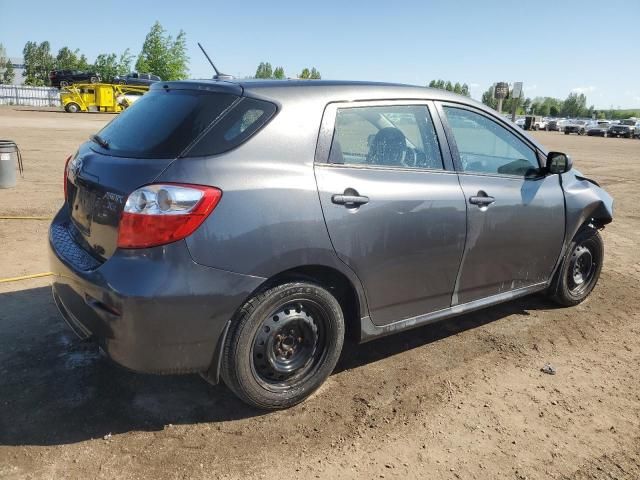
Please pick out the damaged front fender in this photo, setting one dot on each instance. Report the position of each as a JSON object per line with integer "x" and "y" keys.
{"x": 585, "y": 203}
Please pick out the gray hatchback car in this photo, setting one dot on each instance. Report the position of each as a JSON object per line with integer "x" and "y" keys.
{"x": 239, "y": 229}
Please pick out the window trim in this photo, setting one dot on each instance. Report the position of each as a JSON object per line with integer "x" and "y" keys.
{"x": 453, "y": 146}
{"x": 327, "y": 128}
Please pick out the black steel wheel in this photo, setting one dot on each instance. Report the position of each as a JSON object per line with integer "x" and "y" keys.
{"x": 580, "y": 269}
{"x": 283, "y": 344}
{"x": 289, "y": 344}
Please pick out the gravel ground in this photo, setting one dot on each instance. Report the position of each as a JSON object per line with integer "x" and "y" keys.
{"x": 463, "y": 399}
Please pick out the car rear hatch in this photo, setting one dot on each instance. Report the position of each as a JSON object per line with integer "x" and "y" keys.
{"x": 131, "y": 151}
{"x": 175, "y": 119}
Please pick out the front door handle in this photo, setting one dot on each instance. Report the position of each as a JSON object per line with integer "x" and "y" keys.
{"x": 349, "y": 200}
{"x": 482, "y": 199}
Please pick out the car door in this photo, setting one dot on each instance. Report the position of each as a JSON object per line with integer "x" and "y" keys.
{"x": 515, "y": 212}
{"x": 392, "y": 203}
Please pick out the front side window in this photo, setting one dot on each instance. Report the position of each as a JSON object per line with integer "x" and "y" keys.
{"x": 485, "y": 146}
{"x": 390, "y": 136}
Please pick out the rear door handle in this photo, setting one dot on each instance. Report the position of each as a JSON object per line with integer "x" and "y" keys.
{"x": 481, "y": 200}
{"x": 349, "y": 200}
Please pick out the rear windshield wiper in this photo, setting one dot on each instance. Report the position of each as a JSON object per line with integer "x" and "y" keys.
{"x": 99, "y": 140}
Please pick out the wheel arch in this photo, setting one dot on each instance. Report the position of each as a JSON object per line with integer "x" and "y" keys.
{"x": 350, "y": 297}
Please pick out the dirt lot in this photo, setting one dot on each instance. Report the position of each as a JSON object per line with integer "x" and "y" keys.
{"x": 461, "y": 399}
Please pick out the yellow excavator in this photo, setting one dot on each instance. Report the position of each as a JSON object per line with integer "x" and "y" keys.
{"x": 99, "y": 97}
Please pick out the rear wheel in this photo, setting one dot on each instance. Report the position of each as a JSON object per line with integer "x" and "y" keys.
{"x": 283, "y": 345}
{"x": 580, "y": 268}
{"x": 64, "y": 83}
{"x": 72, "y": 107}
{"x": 93, "y": 79}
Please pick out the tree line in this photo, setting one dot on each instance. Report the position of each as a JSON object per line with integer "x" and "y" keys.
{"x": 161, "y": 55}
{"x": 574, "y": 106}
{"x": 462, "y": 89}
{"x": 265, "y": 70}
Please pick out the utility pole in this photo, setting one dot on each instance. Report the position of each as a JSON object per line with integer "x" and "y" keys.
{"x": 516, "y": 94}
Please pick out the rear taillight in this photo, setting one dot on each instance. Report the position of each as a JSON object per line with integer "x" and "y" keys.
{"x": 66, "y": 172}
{"x": 164, "y": 213}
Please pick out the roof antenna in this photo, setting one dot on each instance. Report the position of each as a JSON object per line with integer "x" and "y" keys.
{"x": 218, "y": 75}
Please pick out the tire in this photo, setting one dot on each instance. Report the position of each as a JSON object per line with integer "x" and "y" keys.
{"x": 580, "y": 269}
{"x": 64, "y": 83}
{"x": 93, "y": 80}
{"x": 122, "y": 82}
{"x": 566, "y": 133}
{"x": 72, "y": 107}
{"x": 282, "y": 345}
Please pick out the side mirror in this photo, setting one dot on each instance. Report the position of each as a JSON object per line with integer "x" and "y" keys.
{"x": 558, "y": 162}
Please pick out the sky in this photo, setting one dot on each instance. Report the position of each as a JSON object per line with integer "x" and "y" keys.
{"x": 554, "y": 47}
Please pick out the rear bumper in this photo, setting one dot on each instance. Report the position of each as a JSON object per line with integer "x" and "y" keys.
{"x": 152, "y": 310}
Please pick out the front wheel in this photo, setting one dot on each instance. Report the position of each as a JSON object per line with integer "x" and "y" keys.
{"x": 282, "y": 345}
{"x": 72, "y": 107}
{"x": 580, "y": 268}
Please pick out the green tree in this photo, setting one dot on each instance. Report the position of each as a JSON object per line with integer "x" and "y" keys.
{"x": 264, "y": 70}
{"x": 487, "y": 98}
{"x": 575, "y": 105}
{"x": 8, "y": 75}
{"x": 67, "y": 59}
{"x": 278, "y": 73}
{"x": 457, "y": 88}
{"x": 38, "y": 62}
{"x": 448, "y": 86}
{"x": 432, "y": 84}
{"x": 162, "y": 55}
{"x": 305, "y": 74}
{"x": 108, "y": 65}
{"x": 315, "y": 74}
{"x": 465, "y": 90}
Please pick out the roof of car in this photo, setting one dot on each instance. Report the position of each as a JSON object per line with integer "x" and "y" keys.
{"x": 336, "y": 89}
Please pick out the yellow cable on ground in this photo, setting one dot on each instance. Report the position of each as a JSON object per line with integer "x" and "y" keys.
{"x": 25, "y": 218}
{"x": 25, "y": 277}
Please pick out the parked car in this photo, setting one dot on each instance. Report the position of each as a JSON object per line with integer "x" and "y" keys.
{"x": 637, "y": 130}
{"x": 575, "y": 126}
{"x": 626, "y": 128}
{"x": 240, "y": 229}
{"x": 554, "y": 125}
{"x": 598, "y": 128}
{"x": 134, "y": 78}
{"x": 541, "y": 125}
{"x": 520, "y": 122}
{"x": 64, "y": 78}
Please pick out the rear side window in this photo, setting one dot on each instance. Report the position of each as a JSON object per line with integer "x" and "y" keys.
{"x": 235, "y": 128}
{"x": 163, "y": 123}
{"x": 390, "y": 136}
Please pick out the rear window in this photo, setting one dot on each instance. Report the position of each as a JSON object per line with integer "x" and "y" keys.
{"x": 164, "y": 123}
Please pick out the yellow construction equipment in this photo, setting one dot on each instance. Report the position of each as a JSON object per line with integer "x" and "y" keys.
{"x": 99, "y": 97}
